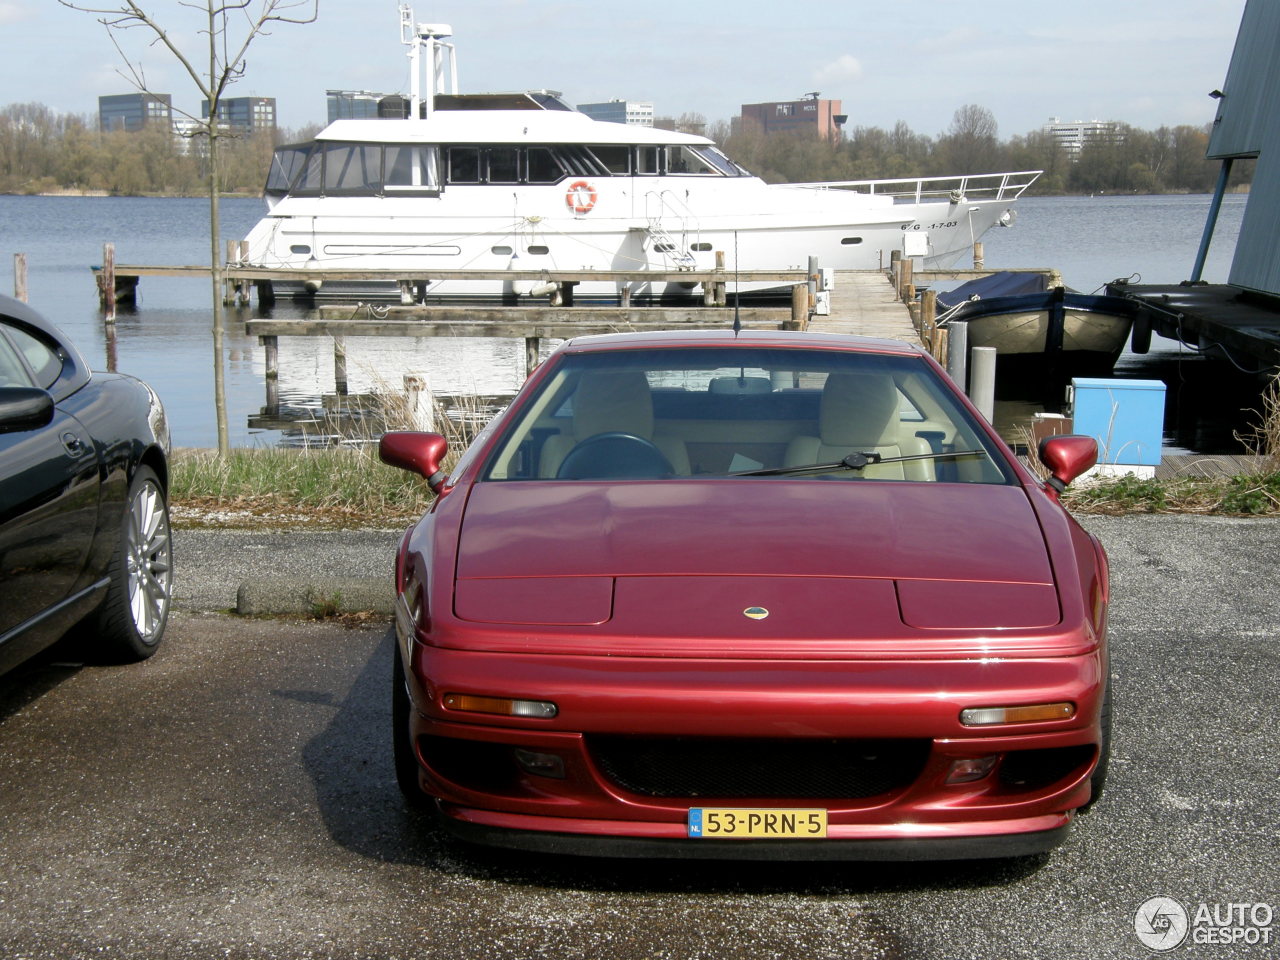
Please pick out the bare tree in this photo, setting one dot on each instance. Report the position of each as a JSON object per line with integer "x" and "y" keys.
{"x": 228, "y": 27}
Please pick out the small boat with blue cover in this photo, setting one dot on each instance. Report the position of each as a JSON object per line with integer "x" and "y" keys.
{"x": 1039, "y": 329}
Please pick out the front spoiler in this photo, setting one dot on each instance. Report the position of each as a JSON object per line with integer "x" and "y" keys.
{"x": 458, "y": 822}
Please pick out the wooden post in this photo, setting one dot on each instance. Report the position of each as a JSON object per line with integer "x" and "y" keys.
{"x": 108, "y": 278}
{"x": 928, "y": 318}
{"x": 266, "y": 292}
{"x": 940, "y": 353}
{"x": 626, "y": 294}
{"x": 958, "y": 354}
{"x": 112, "y": 350}
{"x": 406, "y": 292}
{"x": 230, "y": 288}
{"x": 799, "y": 307}
{"x": 340, "y": 365}
{"x": 20, "y": 276}
{"x": 722, "y": 287}
{"x": 908, "y": 268}
{"x": 979, "y": 259}
{"x": 272, "y": 346}
{"x": 530, "y": 356}
{"x": 420, "y": 403}
{"x": 812, "y": 284}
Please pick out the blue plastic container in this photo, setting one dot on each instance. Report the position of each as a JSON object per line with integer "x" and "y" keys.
{"x": 1126, "y": 417}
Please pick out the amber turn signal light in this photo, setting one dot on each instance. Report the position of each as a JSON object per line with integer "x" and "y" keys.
{"x": 503, "y": 707}
{"x": 984, "y": 716}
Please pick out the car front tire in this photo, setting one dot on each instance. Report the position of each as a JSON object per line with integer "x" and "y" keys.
{"x": 132, "y": 619}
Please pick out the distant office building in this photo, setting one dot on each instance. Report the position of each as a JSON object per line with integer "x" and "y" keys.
{"x": 1073, "y": 136}
{"x": 244, "y": 114}
{"x": 811, "y": 115}
{"x": 352, "y": 104}
{"x": 185, "y": 129}
{"x": 133, "y": 111}
{"x": 638, "y": 113}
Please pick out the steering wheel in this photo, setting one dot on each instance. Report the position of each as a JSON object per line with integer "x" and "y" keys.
{"x": 614, "y": 456}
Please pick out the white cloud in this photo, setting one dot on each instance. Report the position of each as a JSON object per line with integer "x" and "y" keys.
{"x": 11, "y": 11}
{"x": 840, "y": 70}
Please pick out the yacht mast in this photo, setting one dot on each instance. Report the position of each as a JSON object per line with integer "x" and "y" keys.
{"x": 428, "y": 36}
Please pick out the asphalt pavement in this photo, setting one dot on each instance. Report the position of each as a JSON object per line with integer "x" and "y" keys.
{"x": 233, "y": 796}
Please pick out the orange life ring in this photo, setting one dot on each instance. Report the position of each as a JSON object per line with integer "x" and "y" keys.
{"x": 581, "y": 196}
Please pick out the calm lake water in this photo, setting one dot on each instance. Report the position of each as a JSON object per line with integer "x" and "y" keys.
{"x": 167, "y": 340}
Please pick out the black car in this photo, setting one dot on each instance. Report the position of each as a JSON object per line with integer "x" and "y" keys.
{"x": 84, "y": 517}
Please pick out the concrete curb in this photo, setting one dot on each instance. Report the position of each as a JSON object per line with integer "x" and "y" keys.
{"x": 316, "y": 596}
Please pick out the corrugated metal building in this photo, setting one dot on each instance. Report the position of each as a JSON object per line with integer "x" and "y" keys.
{"x": 1248, "y": 125}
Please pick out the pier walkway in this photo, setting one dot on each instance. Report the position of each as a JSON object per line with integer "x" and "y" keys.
{"x": 864, "y": 303}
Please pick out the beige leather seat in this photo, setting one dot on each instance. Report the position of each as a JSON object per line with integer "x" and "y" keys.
{"x": 858, "y": 413}
{"x": 607, "y": 403}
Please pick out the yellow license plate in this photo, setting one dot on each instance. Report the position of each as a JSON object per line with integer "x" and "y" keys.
{"x": 757, "y": 823}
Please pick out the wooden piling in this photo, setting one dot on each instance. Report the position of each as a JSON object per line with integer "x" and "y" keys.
{"x": 272, "y": 347}
{"x": 108, "y": 280}
{"x": 928, "y": 320}
{"x": 530, "y": 355}
{"x": 20, "y": 276}
{"x": 340, "y": 365}
{"x": 722, "y": 288}
{"x": 979, "y": 258}
{"x": 420, "y": 402}
{"x": 799, "y": 308}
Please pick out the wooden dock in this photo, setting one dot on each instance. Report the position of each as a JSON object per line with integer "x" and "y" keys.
{"x": 865, "y": 303}
{"x": 1218, "y": 319}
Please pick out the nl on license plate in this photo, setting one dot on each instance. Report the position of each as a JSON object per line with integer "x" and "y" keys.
{"x": 756, "y": 823}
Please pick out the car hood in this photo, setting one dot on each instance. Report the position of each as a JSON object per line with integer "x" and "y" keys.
{"x": 650, "y": 558}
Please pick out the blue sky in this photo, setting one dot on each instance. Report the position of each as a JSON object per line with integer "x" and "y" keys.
{"x": 1144, "y": 62}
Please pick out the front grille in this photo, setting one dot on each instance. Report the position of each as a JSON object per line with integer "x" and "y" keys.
{"x": 743, "y": 768}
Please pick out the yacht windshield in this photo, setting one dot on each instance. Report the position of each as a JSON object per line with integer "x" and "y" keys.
{"x": 748, "y": 411}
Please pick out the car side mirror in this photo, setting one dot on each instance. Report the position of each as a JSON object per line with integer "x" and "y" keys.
{"x": 24, "y": 408}
{"x": 1067, "y": 456}
{"x": 420, "y": 453}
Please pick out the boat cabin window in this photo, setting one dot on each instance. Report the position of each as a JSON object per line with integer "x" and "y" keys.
{"x": 504, "y": 164}
{"x": 614, "y": 157}
{"x": 721, "y": 162}
{"x": 542, "y": 165}
{"x": 464, "y": 164}
{"x": 685, "y": 160}
{"x": 352, "y": 169}
{"x": 409, "y": 168}
{"x": 511, "y": 164}
{"x": 647, "y": 161}
{"x": 286, "y": 164}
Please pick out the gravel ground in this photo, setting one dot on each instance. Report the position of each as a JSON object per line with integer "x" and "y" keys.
{"x": 233, "y": 797}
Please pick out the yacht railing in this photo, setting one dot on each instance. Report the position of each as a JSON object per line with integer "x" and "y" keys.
{"x": 981, "y": 186}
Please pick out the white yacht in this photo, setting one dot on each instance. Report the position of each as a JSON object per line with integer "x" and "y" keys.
{"x": 499, "y": 182}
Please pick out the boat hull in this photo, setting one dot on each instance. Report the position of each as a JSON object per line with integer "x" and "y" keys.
{"x": 752, "y": 225}
{"x": 1056, "y": 334}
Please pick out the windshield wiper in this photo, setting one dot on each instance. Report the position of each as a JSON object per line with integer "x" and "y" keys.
{"x": 854, "y": 461}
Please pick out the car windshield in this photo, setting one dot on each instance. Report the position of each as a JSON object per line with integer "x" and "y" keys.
{"x": 744, "y": 411}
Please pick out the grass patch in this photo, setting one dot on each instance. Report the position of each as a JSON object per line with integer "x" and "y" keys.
{"x": 1243, "y": 495}
{"x": 330, "y": 486}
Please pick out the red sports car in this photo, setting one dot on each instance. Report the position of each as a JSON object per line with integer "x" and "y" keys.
{"x": 754, "y": 596}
